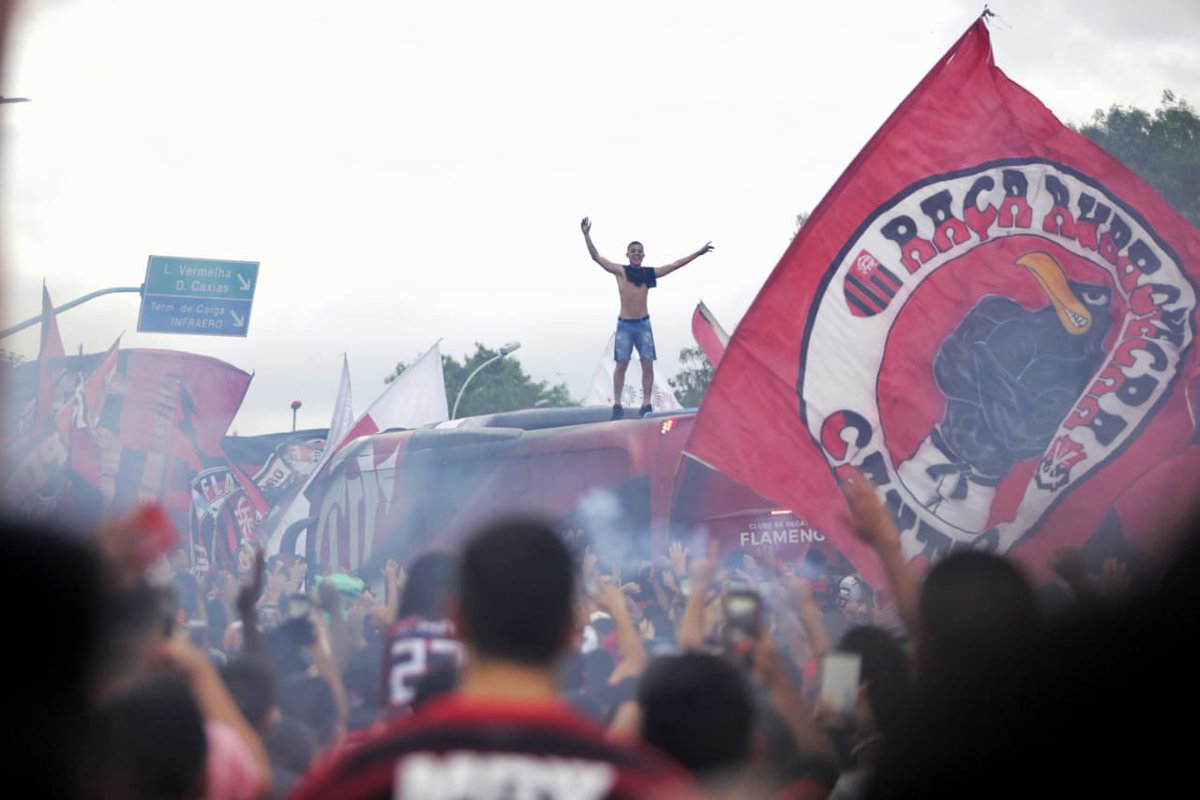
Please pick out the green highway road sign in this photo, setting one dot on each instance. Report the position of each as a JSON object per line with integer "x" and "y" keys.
{"x": 197, "y": 295}
{"x": 201, "y": 277}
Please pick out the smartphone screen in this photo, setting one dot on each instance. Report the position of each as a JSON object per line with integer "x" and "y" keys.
{"x": 741, "y": 605}
{"x": 839, "y": 682}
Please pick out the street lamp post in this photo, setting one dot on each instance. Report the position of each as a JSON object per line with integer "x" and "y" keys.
{"x": 508, "y": 348}
{"x": 295, "y": 407}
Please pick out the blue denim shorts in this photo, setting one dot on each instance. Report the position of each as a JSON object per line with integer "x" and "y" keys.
{"x": 633, "y": 333}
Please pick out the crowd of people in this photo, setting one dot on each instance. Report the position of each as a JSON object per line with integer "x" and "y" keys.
{"x": 525, "y": 666}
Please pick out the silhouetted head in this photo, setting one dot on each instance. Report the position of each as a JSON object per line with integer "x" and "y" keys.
{"x": 515, "y": 593}
{"x": 432, "y": 581}
{"x": 149, "y": 742}
{"x": 886, "y": 673}
{"x": 975, "y": 608}
{"x": 697, "y": 708}
{"x": 252, "y": 687}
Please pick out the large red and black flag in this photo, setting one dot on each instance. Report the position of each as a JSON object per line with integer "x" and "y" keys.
{"x": 990, "y": 317}
{"x": 160, "y": 429}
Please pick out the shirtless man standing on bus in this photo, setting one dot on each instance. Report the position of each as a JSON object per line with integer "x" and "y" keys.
{"x": 634, "y": 282}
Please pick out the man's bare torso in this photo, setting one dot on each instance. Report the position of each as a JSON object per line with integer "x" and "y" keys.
{"x": 633, "y": 298}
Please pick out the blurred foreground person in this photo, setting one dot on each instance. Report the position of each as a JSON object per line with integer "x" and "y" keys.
{"x": 149, "y": 742}
{"x": 697, "y": 708}
{"x": 1100, "y": 705}
{"x": 881, "y": 708}
{"x": 503, "y": 732}
{"x": 60, "y": 584}
{"x": 976, "y": 612}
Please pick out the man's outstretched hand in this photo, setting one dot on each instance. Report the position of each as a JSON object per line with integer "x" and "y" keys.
{"x": 708, "y": 247}
{"x": 586, "y": 226}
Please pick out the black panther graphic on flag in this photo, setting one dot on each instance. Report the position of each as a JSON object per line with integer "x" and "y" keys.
{"x": 987, "y": 315}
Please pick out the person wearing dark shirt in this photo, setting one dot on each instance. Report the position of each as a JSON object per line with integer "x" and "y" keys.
{"x": 422, "y": 640}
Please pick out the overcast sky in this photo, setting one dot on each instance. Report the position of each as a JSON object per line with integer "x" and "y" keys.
{"x": 412, "y": 171}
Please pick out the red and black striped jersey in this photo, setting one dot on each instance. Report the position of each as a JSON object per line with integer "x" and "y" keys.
{"x": 415, "y": 648}
{"x": 457, "y": 747}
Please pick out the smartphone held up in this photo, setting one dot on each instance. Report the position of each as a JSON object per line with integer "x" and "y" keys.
{"x": 840, "y": 675}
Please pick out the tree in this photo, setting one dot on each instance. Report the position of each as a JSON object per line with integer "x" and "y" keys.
{"x": 1163, "y": 148}
{"x": 801, "y": 218}
{"x": 692, "y": 380}
{"x": 10, "y": 360}
{"x": 502, "y": 386}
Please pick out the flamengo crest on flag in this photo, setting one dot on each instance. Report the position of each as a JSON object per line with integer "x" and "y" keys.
{"x": 987, "y": 317}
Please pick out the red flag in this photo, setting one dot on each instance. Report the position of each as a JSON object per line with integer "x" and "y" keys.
{"x": 164, "y": 413}
{"x": 78, "y": 419}
{"x": 51, "y": 347}
{"x": 708, "y": 333}
{"x": 987, "y": 314}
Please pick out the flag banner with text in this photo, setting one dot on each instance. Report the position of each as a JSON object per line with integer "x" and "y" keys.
{"x": 987, "y": 315}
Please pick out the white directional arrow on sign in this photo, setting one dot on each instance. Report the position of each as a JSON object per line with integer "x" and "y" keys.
{"x": 238, "y": 322}
{"x": 245, "y": 283}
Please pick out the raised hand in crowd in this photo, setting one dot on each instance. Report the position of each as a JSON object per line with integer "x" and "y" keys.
{"x": 394, "y": 578}
{"x": 787, "y": 699}
{"x": 329, "y": 599}
{"x": 692, "y": 627}
{"x": 1115, "y": 579}
{"x": 296, "y": 576}
{"x": 587, "y": 570}
{"x": 247, "y": 606}
{"x": 224, "y": 591}
{"x": 216, "y": 704}
{"x": 367, "y": 606}
{"x": 612, "y": 599}
{"x": 677, "y": 555}
{"x": 324, "y": 660}
{"x": 654, "y": 578}
{"x": 799, "y": 590}
{"x": 278, "y": 583}
{"x": 873, "y": 524}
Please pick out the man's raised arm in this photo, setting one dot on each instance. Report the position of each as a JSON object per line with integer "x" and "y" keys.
{"x": 586, "y": 227}
{"x": 667, "y": 269}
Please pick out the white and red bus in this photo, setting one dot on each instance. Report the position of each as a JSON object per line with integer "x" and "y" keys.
{"x": 395, "y": 494}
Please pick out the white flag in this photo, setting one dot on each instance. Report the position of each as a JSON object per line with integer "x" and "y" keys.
{"x": 417, "y": 397}
{"x": 343, "y": 411}
{"x": 339, "y": 424}
{"x": 601, "y": 391}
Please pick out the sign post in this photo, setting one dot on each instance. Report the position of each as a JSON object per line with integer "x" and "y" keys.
{"x": 197, "y": 295}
